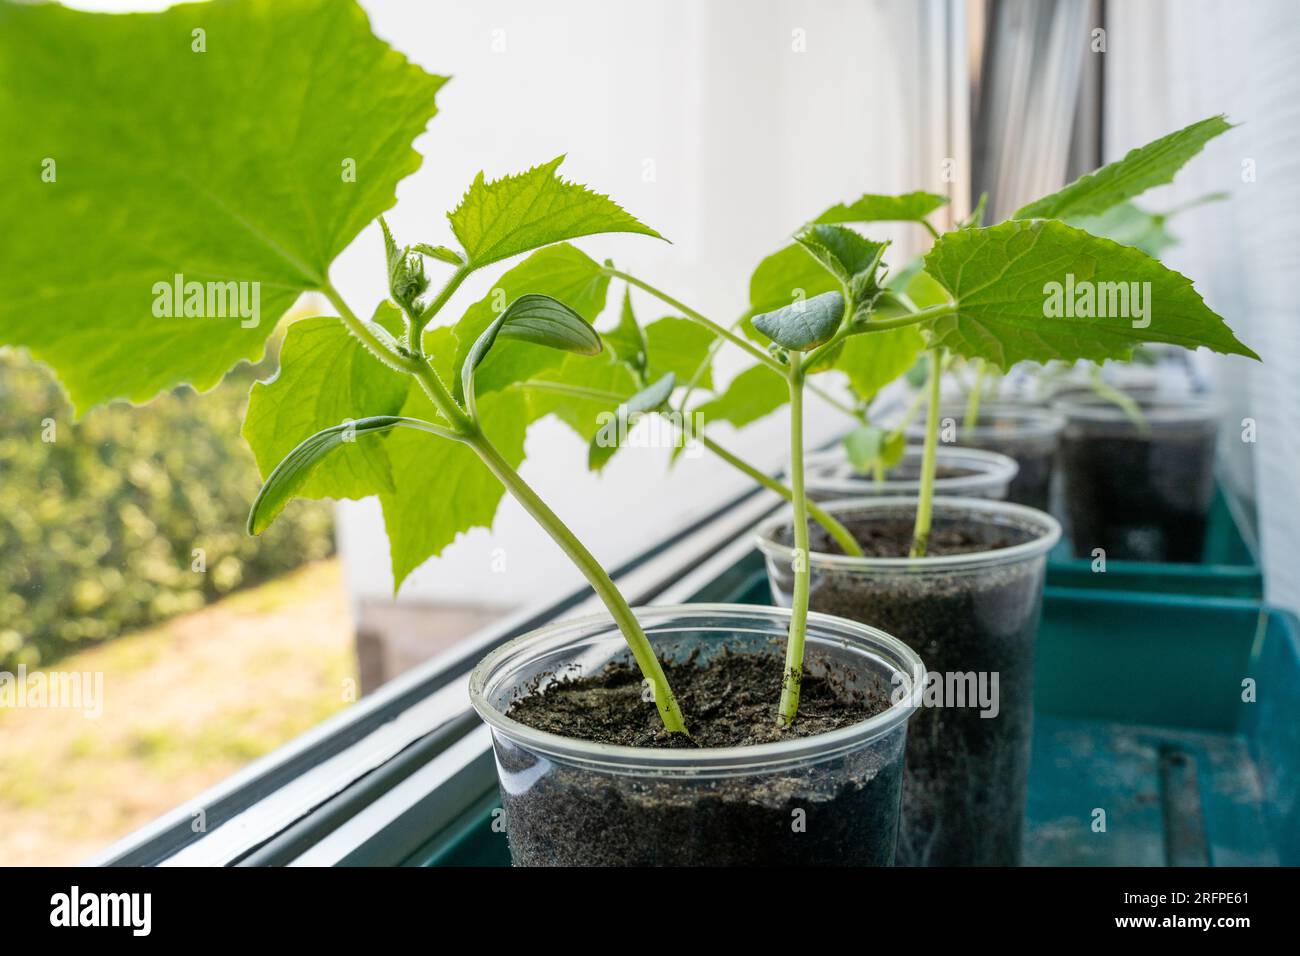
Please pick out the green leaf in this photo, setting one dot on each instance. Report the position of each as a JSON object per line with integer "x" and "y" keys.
{"x": 609, "y": 437}
{"x": 442, "y": 488}
{"x": 1008, "y": 281}
{"x": 225, "y": 166}
{"x": 869, "y": 446}
{"x": 873, "y": 361}
{"x": 1128, "y": 225}
{"x": 561, "y": 272}
{"x": 678, "y": 346}
{"x": 388, "y": 319}
{"x": 296, "y": 471}
{"x": 753, "y": 394}
{"x": 802, "y": 326}
{"x": 537, "y": 320}
{"x": 627, "y": 340}
{"x": 326, "y": 376}
{"x": 499, "y": 219}
{"x": 924, "y": 291}
{"x": 845, "y": 253}
{"x": 908, "y": 207}
{"x": 1150, "y": 165}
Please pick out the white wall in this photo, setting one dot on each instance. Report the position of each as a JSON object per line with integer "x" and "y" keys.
{"x": 1169, "y": 63}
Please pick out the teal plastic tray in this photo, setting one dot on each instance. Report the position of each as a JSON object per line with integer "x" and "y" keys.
{"x": 1142, "y": 725}
{"x": 1227, "y": 569}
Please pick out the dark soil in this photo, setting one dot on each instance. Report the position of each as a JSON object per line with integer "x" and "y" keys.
{"x": 1139, "y": 497}
{"x": 729, "y": 701}
{"x": 1036, "y": 457}
{"x": 964, "y": 789}
{"x": 841, "y": 811}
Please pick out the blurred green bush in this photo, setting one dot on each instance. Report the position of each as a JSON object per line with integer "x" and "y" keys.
{"x": 130, "y": 515}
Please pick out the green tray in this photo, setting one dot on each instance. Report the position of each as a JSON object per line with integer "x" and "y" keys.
{"x": 1228, "y": 567}
{"x": 1138, "y": 713}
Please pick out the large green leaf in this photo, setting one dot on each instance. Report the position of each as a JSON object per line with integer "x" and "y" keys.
{"x": 908, "y": 207}
{"x": 326, "y": 376}
{"x": 499, "y": 219}
{"x": 1150, "y": 165}
{"x": 753, "y": 394}
{"x": 1005, "y": 279}
{"x": 678, "y": 346}
{"x": 441, "y": 488}
{"x": 128, "y": 158}
{"x": 561, "y": 272}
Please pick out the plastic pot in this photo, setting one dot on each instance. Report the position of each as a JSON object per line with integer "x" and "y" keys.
{"x": 968, "y": 472}
{"x": 973, "y": 617}
{"x": 1024, "y": 433}
{"x": 832, "y": 798}
{"x": 1139, "y": 490}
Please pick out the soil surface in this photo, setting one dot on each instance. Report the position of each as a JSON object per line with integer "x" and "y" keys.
{"x": 728, "y": 701}
{"x": 838, "y": 811}
{"x": 1139, "y": 497}
{"x": 964, "y": 788}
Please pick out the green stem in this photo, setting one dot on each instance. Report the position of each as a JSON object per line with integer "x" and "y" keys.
{"x": 973, "y": 399}
{"x": 924, "y": 504}
{"x": 1132, "y": 411}
{"x": 395, "y": 361}
{"x": 848, "y": 544}
{"x": 595, "y": 575}
{"x": 466, "y": 430}
{"x": 698, "y": 318}
{"x": 793, "y": 675}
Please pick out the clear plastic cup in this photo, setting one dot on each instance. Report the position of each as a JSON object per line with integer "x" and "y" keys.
{"x": 968, "y": 472}
{"x": 1139, "y": 488}
{"x": 831, "y": 798}
{"x": 1025, "y": 433}
{"x": 973, "y": 617}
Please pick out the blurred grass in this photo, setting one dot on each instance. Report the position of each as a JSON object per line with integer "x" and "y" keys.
{"x": 186, "y": 703}
{"x": 100, "y": 519}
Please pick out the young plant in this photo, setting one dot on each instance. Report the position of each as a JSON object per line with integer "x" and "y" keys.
{"x": 239, "y": 203}
{"x": 984, "y": 295}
